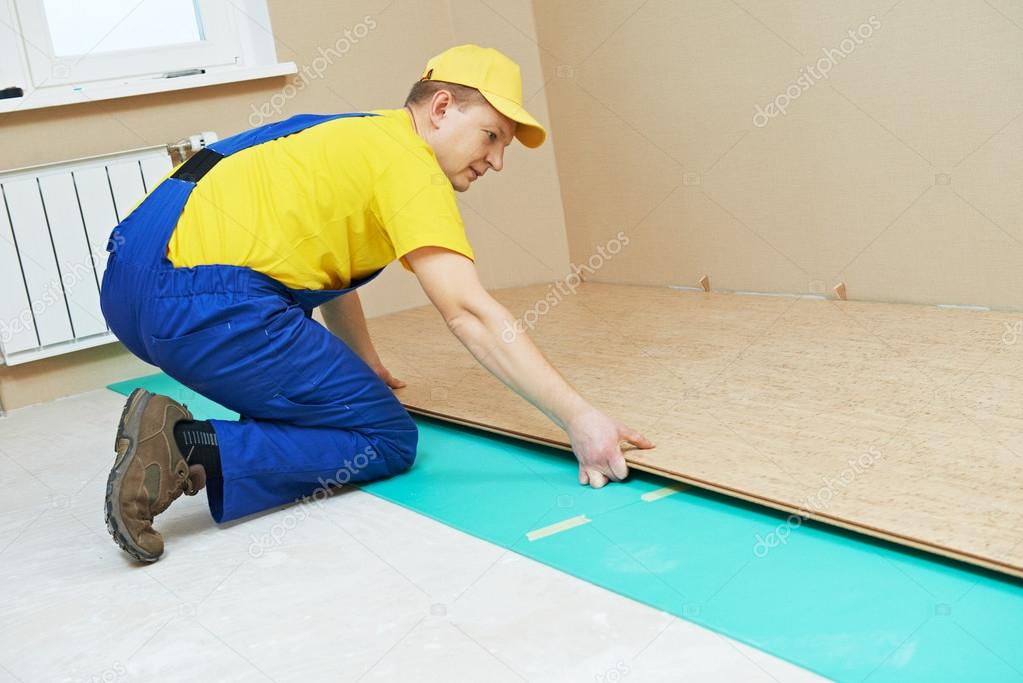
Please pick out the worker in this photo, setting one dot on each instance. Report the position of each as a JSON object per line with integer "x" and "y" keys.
{"x": 214, "y": 277}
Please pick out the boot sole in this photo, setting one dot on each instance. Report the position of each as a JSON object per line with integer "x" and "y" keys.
{"x": 127, "y": 434}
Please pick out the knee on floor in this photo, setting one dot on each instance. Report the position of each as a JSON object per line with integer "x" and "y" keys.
{"x": 398, "y": 447}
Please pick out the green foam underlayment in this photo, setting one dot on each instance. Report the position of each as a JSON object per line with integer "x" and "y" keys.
{"x": 842, "y": 605}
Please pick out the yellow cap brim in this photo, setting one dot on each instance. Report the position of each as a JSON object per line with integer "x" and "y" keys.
{"x": 529, "y": 131}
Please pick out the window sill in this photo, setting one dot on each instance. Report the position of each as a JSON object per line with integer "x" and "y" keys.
{"x": 59, "y": 96}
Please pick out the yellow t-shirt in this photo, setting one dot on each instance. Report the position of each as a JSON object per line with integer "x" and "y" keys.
{"x": 323, "y": 207}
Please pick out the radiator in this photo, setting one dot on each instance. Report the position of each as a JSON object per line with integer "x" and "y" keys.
{"x": 54, "y": 223}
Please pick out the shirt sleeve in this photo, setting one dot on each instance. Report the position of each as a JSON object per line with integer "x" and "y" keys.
{"x": 415, "y": 204}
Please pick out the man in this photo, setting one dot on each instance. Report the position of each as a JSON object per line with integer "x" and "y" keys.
{"x": 214, "y": 277}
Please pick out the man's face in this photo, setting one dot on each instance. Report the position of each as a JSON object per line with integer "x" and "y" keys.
{"x": 468, "y": 140}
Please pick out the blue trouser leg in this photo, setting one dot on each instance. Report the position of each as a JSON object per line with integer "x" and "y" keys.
{"x": 315, "y": 413}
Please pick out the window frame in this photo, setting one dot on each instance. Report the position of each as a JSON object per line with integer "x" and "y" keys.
{"x": 220, "y": 47}
{"x": 239, "y": 46}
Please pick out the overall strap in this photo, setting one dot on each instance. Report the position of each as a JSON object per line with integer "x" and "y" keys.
{"x": 272, "y": 131}
{"x": 206, "y": 158}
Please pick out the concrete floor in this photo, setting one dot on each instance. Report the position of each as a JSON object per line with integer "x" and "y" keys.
{"x": 348, "y": 589}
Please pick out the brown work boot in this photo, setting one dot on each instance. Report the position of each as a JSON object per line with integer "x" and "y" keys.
{"x": 149, "y": 473}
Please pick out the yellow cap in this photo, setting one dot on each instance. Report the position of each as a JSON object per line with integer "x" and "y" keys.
{"x": 496, "y": 77}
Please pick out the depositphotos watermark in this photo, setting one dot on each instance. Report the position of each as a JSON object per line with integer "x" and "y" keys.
{"x": 1013, "y": 332}
{"x": 109, "y": 675}
{"x": 811, "y": 74}
{"x": 312, "y": 71}
{"x": 276, "y": 534}
{"x": 816, "y": 503}
{"x": 562, "y": 288}
{"x": 54, "y": 292}
{"x": 613, "y": 674}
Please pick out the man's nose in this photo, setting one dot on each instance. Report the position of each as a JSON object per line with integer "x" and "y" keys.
{"x": 496, "y": 159}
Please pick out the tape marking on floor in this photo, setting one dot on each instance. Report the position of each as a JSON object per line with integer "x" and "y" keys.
{"x": 558, "y": 527}
{"x": 657, "y": 494}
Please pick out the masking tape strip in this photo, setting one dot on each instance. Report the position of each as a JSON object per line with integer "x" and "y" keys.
{"x": 657, "y": 494}
{"x": 558, "y": 527}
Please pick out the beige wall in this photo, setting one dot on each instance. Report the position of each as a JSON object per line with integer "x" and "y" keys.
{"x": 899, "y": 174}
{"x": 514, "y": 220}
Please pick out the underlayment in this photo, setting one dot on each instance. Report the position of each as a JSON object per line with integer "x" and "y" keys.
{"x": 901, "y": 422}
{"x": 840, "y": 604}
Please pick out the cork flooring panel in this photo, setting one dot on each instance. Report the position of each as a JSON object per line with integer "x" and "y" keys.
{"x": 902, "y": 422}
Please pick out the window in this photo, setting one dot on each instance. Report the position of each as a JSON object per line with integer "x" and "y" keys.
{"x": 121, "y": 25}
{"x": 69, "y": 51}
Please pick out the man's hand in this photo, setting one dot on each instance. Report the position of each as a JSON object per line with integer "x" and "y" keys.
{"x": 389, "y": 379}
{"x": 596, "y": 441}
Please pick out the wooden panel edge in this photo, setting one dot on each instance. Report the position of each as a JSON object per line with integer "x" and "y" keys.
{"x": 849, "y": 525}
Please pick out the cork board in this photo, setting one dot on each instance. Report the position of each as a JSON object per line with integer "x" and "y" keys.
{"x": 898, "y": 421}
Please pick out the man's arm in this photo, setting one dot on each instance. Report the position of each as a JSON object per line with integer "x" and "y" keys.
{"x": 345, "y": 319}
{"x": 482, "y": 325}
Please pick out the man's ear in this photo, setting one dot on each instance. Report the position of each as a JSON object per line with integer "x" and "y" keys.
{"x": 439, "y": 105}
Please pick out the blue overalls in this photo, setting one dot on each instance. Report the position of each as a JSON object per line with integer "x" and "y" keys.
{"x": 314, "y": 414}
